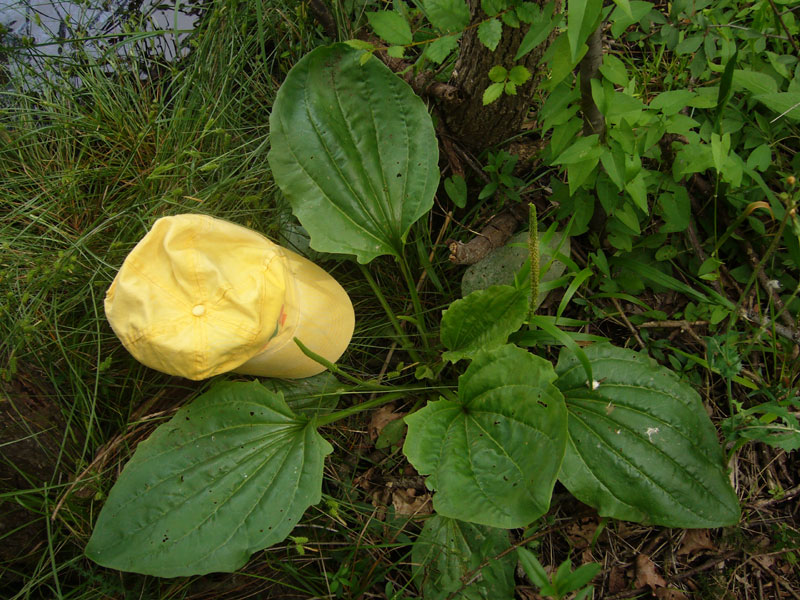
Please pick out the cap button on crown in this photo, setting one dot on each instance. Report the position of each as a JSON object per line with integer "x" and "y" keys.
{"x": 199, "y": 310}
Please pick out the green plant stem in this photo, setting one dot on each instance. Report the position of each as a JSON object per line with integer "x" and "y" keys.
{"x": 352, "y": 410}
{"x": 412, "y": 289}
{"x": 367, "y": 385}
{"x": 533, "y": 251}
{"x": 403, "y": 338}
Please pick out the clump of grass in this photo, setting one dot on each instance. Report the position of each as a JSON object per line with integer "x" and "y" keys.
{"x": 90, "y": 155}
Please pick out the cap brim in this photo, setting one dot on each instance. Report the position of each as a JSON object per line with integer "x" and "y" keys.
{"x": 323, "y": 320}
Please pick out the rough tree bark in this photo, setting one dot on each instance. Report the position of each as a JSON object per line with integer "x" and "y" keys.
{"x": 478, "y": 126}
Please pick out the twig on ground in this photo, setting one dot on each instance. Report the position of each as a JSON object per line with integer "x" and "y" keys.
{"x": 496, "y": 233}
{"x": 764, "y": 323}
{"x": 769, "y": 287}
{"x": 632, "y": 329}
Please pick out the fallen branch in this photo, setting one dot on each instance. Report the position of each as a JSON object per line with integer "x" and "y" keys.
{"x": 496, "y": 233}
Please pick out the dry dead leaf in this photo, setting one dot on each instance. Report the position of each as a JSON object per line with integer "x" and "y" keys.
{"x": 670, "y": 594}
{"x": 647, "y": 573}
{"x": 406, "y": 502}
{"x": 616, "y": 580}
{"x": 380, "y": 418}
{"x": 581, "y": 533}
{"x": 695, "y": 541}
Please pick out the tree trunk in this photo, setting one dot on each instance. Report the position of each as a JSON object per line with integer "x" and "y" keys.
{"x": 475, "y": 125}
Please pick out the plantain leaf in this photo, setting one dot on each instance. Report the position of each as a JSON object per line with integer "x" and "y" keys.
{"x": 354, "y": 151}
{"x": 447, "y": 550}
{"x": 228, "y": 475}
{"x": 641, "y": 447}
{"x": 481, "y": 321}
{"x": 494, "y": 453}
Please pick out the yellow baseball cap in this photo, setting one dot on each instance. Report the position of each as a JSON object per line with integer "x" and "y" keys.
{"x": 199, "y": 296}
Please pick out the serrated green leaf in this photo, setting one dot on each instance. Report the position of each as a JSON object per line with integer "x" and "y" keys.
{"x": 493, "y": 7}
{"x": 447, "y": 15}
{"x": 498, "y": 74}
{"x": 360, "y": 45}
{"x": 519, "y": 75}
{"x": 228, "y": 475}
{"x": 396, "y": 51}
{"x": 540, "y": 28}
{"x": 641, "y": 446}
{"x": 493, "y": 454}
{"x": 356, "y": 184}
{"x": 440, "y": 49}
{"x": 492, "y": 93}
{"x": 390, "y": 26}
{"x": 482, "y": 321}
{"x": 489, "y": 33}
{"x": 510, "y": 88}
{"x": 528, "y": 12}
{"x": 447, "y": 549}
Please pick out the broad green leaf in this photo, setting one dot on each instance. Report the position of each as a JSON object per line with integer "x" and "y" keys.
{"x": 641, "y": 446}
{"x": 540, "y": 28}
{"x": 613, "y": 160}
{"x": 676, "y": 210}
{"x": 637, "y": 188}
{"x": 482, "y": 321}
{"x": 447, "y": 15}
{"x": 622, "y": 17}
{"x": 228, "y": 475}
{"x": 672, "y": 101}
{"x": 625, "y": 6}
{"x": 534, "y": 569}
{"x": 579, "y": 173}
{"x": 456, "y": 188}
{"x": 614, "y": 70}
{"x": 786, "y": 104}
{"x": 447, "y": 550}
{"x": 354, "y": 151}
{"x": 582, "y": 19}
{"x": 317, "y": 395}
{"x": 754, "y": 82}
{"x": 689, "y": 45}
{"x": 390, "y": 26}
{"x": 760, "y": 158}
{"x": 489, "y": 33}
{"x": 492, "y": 455}
{"x": 440, "y": 49}
{"x": 561, "y": 62}
{"x": 584, "y": 148}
